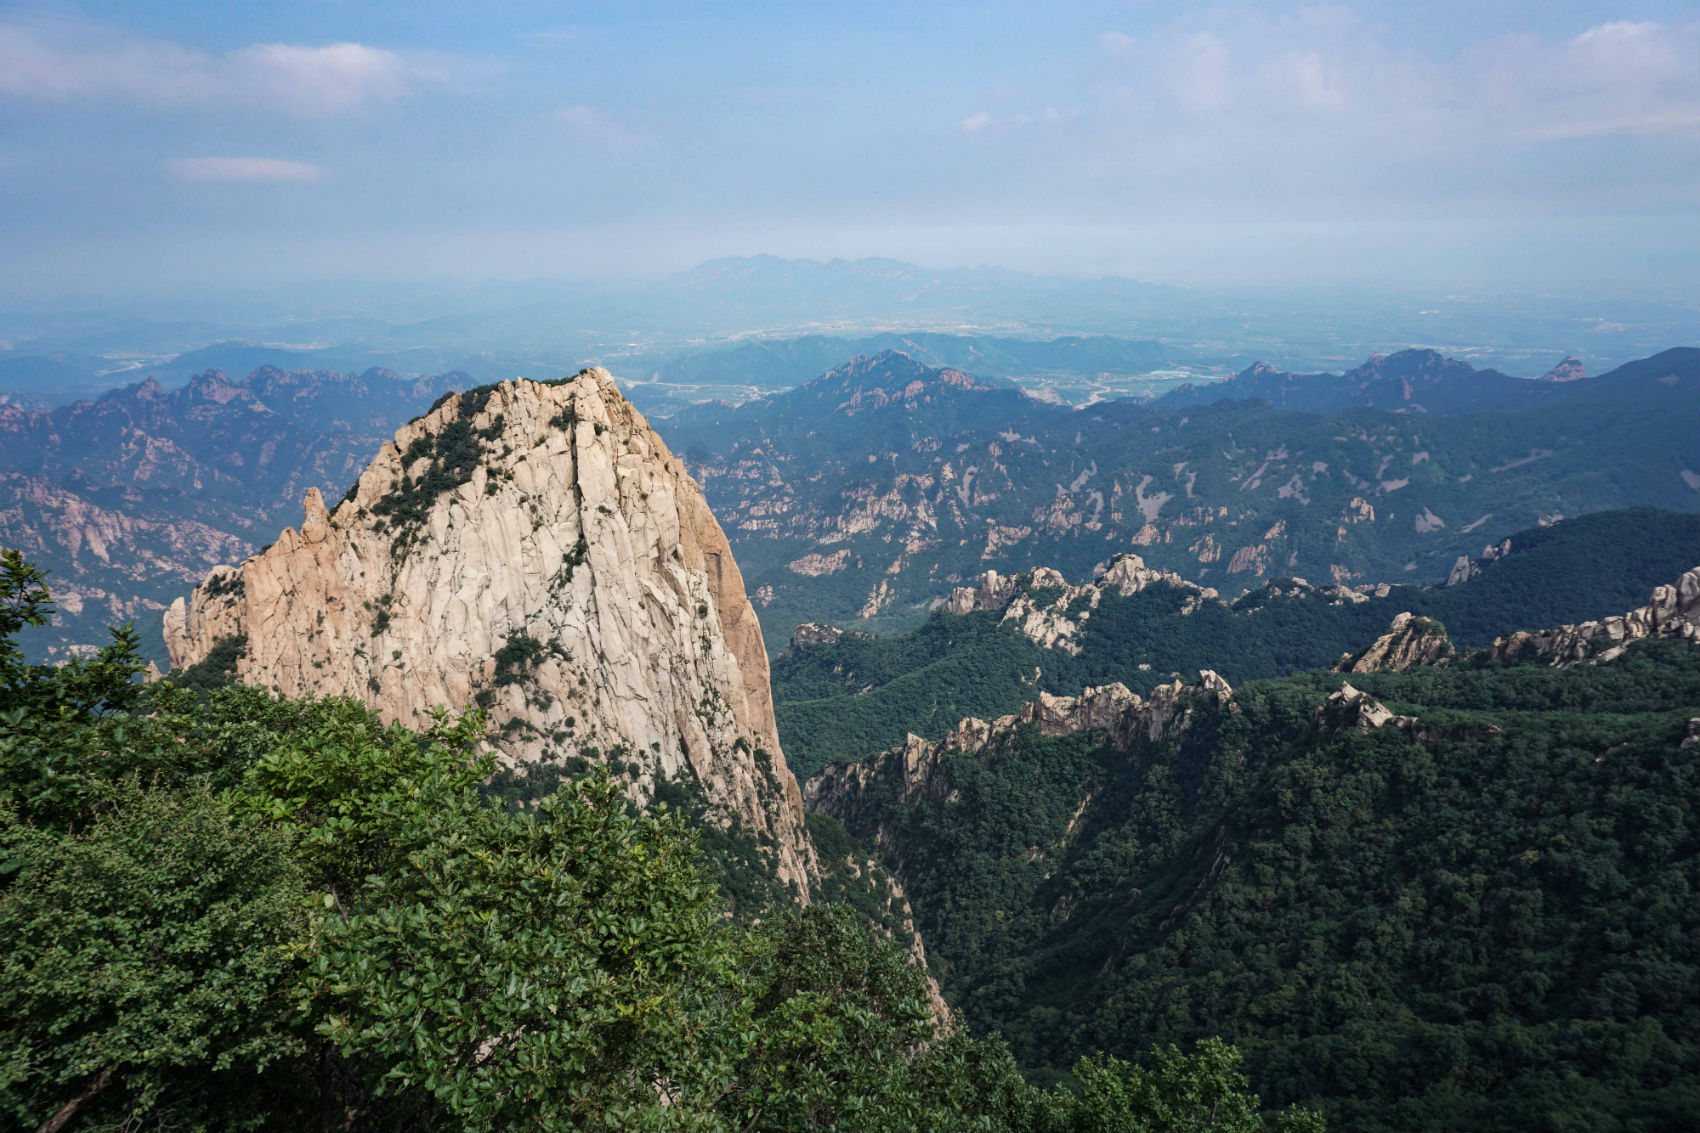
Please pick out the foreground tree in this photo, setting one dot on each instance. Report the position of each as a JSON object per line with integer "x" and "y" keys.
{"x": 222, "y": 910}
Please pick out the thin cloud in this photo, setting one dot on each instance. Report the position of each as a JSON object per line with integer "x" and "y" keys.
{"x": 1117, "y": 42}
{"x": 245, "y": 170}
{"x": 592, "y": 126}
{"x": 983, "y": 120}
{"x": 337, "y": 76}
{"x": 1674, "y": 122}
{"x": 1213, "y": 92}
{"x": 60, "y": 62}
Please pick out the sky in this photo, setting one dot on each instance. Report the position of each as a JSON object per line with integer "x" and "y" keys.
{"x": 172, "y": 145}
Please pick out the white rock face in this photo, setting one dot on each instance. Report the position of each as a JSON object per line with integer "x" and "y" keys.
{"x": 1672, "y": 611}
{"x": 1051, "y": 624}
{"x": 575, "y": 584}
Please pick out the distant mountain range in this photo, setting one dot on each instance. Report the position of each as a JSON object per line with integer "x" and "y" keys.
{"x": 864, "y": 495}
{"x": 1000, "y": 642}
{"x": 1415, "y": 381}
{"x": 129, "y": 499}
{"x": 641, "y": 328}
{"x": 784, "y": 362}
{"x": 845, "y": 512}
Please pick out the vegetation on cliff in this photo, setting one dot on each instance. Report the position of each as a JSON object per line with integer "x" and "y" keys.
{"x": 864, "y": 693}
{"x": 227, "y": 910}
{"x": 1484, "y": 919}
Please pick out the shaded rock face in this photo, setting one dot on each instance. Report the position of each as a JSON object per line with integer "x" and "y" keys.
{"x": 1409, "y": 642}
{"x": 1672, "y": 611}
{"x": 533, "y": 548}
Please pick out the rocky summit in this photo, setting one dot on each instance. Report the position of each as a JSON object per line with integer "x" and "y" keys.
{"x": 533, "y": 548}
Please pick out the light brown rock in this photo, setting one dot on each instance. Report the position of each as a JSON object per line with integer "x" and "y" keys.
{"x": 1408, "y": 643}
{"x": 578, "y": 529}
{"x": 1672, "y": 611}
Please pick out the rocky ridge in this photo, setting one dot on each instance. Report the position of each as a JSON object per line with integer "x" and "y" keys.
{"x": 131, "y": 498}
{"x": 1121, "y": 716}
{"x": 1352, "y": 708}
{"x": 1042, "y": 605}
{"x": 533, "y": 548}
{"x": 1672, "y": 611}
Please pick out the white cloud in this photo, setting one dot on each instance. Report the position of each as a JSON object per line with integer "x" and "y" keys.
{"x": 62, "y": 62}
{"x": 976, "y": 122}
{"x": 56, "y": 62}
{"x": 244, "y": 169}
{"x": 337, "y": 76}
{"x": 1117, "y": 42}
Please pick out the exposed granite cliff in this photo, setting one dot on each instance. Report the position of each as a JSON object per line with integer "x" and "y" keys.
{"x": 1672, "y": 611}
{"x": 536, "y": 549}
{"x": 1408, "y": 643}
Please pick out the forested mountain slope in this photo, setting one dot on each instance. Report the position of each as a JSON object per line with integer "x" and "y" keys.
{"x": 842, "y": 695}
{"x": 1454, "y": 898}
{"x": 841, "y": 510}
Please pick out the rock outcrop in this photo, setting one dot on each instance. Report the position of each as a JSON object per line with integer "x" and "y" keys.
{"x": 1408, "y": 643}
{"x": 810, "y": 634}
{"x": 1465, "y": 568}
{"x": 1672, "y": 611}
{"x": 533, "y": 548}
{"x": 1354, "y": 709}
{"x": 1120, "y": 716}
{"x": 1048, "y": 611}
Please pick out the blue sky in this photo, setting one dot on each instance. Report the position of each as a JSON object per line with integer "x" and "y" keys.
{"x": 184, "y": 145}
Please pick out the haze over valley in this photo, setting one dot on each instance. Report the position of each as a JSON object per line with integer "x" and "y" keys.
{"x": 701, "y": 568}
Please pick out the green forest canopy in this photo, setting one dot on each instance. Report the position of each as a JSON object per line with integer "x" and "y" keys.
{"x": 226, "y": 910}
{"x": 1484, "y": 921}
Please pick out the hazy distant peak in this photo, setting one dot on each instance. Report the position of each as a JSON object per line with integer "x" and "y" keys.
{"x": 1413, "y": 363}
{"x": 1569, "y": 370}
